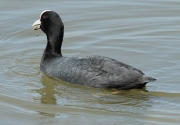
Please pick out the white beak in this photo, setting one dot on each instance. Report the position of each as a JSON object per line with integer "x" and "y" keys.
{"x": 36, "y": 25}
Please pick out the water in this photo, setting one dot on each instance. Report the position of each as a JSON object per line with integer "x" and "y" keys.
{"x": 144, "y": 34}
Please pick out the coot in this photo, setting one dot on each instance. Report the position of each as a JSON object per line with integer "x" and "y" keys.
{"x": 95, "y": 71}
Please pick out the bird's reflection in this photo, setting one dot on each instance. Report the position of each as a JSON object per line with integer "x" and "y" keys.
{"x": 48, "y": 93}
{"x": 80, "y": 96}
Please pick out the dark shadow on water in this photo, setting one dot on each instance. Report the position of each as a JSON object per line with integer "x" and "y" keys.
{"x": 47, "y": 94}
{"x": 56, "y": 92}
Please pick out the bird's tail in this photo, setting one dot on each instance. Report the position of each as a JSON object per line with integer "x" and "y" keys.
{"x": 146, "y": 79}
{"x": 150, "y": 79}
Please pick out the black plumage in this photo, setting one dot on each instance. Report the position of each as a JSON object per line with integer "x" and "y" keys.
{"x": 95, "y": 71}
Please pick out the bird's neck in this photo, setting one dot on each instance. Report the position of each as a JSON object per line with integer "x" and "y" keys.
{"x": 53, "y": 47}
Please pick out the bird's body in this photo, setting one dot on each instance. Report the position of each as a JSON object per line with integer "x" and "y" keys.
{"x": 94, "y": 71}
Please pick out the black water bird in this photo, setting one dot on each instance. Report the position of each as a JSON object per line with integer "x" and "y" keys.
{"x": 94, "y": 71}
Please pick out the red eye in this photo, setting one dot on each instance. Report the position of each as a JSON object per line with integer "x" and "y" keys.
{"x": 43, "y": 17}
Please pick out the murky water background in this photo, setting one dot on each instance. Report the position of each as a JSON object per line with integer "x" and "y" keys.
{"x": 141, "y": 33}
